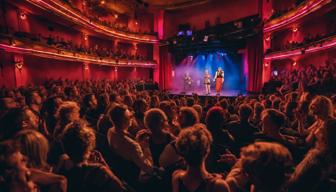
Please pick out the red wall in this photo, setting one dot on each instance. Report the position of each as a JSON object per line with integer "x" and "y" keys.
{"x": 7, "y": 73}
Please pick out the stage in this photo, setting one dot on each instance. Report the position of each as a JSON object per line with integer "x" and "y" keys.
{"x": 224, "y": 93}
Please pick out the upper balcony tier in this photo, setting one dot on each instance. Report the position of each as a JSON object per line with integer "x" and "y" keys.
{"x": 65, "y": 11}
{"x": 320, "y": 45}
{"x": 304, "y": 9}
{"x": 27, "y": 46}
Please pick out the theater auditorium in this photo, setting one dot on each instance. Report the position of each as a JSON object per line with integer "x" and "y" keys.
{"x": 167, "y": 95}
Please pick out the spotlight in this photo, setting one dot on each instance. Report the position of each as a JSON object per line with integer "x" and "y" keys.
{"x": 116, "y": 16}
{"x": 268, "y": 38}
{"x": 23, "y": 16}
{"x": 206, "y": 38}
{"x": 102, "y": 2}
{"x": 295, "y": 29}
{"x": 85, "y": 37}
{"x": 266, "y": 64}
{"x": 294, "y": 63}
{"x": 189, "y": 33}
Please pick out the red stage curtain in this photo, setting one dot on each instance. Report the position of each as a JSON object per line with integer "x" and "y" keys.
{"x": 165, "y": 68}
{"x": 255, "y": 63}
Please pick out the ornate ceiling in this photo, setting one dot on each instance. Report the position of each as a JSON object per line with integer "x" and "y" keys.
{"x": 173, "y": 4}
{"x": 129, "y": 7}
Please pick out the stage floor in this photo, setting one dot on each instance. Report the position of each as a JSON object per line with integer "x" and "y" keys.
{"x": 225, "y": 93}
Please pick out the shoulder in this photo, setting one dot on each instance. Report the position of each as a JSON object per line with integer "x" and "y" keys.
{"x": 220, "y": 185}
{"x": 177, "y": 175}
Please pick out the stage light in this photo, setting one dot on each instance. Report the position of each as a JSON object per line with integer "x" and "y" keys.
{"x": 295, "y": 29}
{"x": 268, "y": 38}
{"x": 180, "y": 33}
{"x": 206, "y": 38}
{"x": 294, "y": 63}
{"x": 275, "y": 73}
{"x": 116, "y": 69}
{"x": 86, "y": 37}
{"x": 86, "y": 66}
{"x": 189, "y": 33}
{"x": 266, "y": 64}
{"x": 102, "y": 2}
{"x": 23, "y": 16}
{"x": 116, "y": 16}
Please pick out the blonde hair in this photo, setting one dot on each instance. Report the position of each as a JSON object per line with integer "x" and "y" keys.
{"x": 35, "y": 146}
{"x": 66, "y": 113}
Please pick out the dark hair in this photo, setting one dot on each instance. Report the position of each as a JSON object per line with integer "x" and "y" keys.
{"x": 190, "y": 101}
{"x": 190, "y": 117}
{"x": 154, "y": 118}
{"x": 78, "y": 140}
{"x": 214, "y": 119}
{"x": 277, "y": 117}
{"x": 11, "y": 122}
{"x": 269, "y": 164}
{"x": 245, "y": 111}
{"x": 7, "y": 149}
{"x": 117, "y": 115}
{"x": 330, "y": 134}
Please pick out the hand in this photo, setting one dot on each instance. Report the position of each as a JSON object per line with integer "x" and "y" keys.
{"x": 228, "y": 158}
{"x": 97, "y": 157}
{"x": 143, "y": 137}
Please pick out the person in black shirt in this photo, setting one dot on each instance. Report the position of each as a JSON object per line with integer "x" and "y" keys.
{"x": 243, "y": 130}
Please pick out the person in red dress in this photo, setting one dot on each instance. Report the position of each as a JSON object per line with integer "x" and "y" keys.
{"x": 219, "y": 79}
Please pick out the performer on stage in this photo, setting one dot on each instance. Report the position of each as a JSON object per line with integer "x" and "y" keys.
{"x": 207, "y": 80}
{"x": 187, "y": 82}
{"x": 219, "y": 78}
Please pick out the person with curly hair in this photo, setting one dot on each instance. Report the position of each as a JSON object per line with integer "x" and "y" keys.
{"x": 85, "y": 169}
{"x": 193, "y": 144}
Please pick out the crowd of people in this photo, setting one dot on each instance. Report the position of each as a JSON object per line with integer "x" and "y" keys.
{"x": 279, "y": 13}
{"x": 68, "y": 45}
{"x": 308, "y": 41}
{"x": 315, "y": 79}
{"x": 68, "y": 135}
{"x": 112, "y": 24}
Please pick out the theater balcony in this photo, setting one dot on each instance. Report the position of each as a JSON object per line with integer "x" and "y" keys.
{"x": 66, "y": 11}
{"x": 295, "y": 14}
{"x": 25, "y": 45}
{"x": 323, "y": 44}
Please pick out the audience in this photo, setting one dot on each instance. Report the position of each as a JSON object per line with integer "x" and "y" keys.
{"x": 110, "y": 136}
{"x": 194, "y": 146}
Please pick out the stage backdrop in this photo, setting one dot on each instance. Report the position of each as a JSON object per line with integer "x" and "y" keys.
{"x": 195, "y": 65}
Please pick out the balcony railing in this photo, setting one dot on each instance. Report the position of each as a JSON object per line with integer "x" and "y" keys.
{"x": 67, "y": 12}
{"x": 321, "y": 45}
{"x": 9, "y": 44}
{"x": 299, "y": 12}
